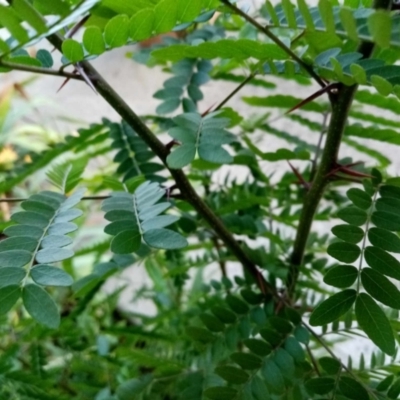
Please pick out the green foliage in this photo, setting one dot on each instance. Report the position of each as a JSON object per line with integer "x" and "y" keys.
{"x": 183, "y": 213}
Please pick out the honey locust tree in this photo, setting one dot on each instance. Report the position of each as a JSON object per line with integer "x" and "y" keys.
{"x": 316, "y": 240}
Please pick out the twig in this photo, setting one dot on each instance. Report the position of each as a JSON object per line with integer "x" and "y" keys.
{"x": 276, "y": 40}
{"x": 19, "y": 199}
{"x": 313, "y": 360}
{"x": 236, "y": 90}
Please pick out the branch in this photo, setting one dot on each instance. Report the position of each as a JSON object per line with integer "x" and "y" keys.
{"x": 341, "y": 102}
{"x": 182, "y": 182}
{"x": 39, "y": 70}
{"x": 276, "y": 40}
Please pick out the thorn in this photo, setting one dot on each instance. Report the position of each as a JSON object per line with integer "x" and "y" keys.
{"x": 300, "y": 178}
{"x": 315, "y": 95}
{"x": 208, "y": 110}
{"x": 346, "y": 170}
{"x": 85, "y": 77}
{"x": 171, "y": 144}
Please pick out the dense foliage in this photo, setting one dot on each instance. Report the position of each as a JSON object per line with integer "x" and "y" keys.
{"x": 316, "y": 240}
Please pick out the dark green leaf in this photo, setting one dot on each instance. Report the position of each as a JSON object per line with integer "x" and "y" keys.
{"x": 380, "y": 288}
{"x": 348, "y": 233}
{"x": 224, "y": 314}
{"x": 273, "y": 376}
{"x": 333, "y": 307}
{"x": 352, "y": 389}
{"x": 382, "y": 262}
{"x": 232, "y": 374}
{"x": 126, "y": 242}
{"x": 384, "y": 239}
{"x": 212, "y": 323}
{"x": 246, "y": 360}
{"x": 394, "y": 391}
{"x": 344, "y": 252}
{"x": 258, "y": 346}
{"x": 330, "y": 365}
{"x": 320, "y": 386}
{"x": 374, "y": 323}
{"x": 199, "y": 334}
{"x": 40, "y": 306}
{"x": 8, "y": 297}
{"x": 386, "y": 220}
{"x": 237, "y": 305}
{"x": 11, "y": 276}
{"x": 353, "y": 216}
{"x": 220, "y": 393}
{"x": 341, "y": 276}
{"x": 359, "y": 198}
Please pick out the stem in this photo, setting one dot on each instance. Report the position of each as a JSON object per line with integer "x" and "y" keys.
{"x": 182, "y": 182}
{"x": 39, "y": 70}
{"x": 319, "y": 145}
{"x": 341, "y": 102}
{"x": 236, "y": 90}
{"x": 276, "y": 40}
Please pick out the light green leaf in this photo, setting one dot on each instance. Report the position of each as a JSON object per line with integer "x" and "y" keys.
{"x": 333, "y": 307}
{"x": 380, "y": 26}
{"x": 165, "y": 16}
{"x": 52, "y": 255}
{"x": 239, "y": 49}
{"x": 187, "y": 11}
{"x": 116, "y": 32}
{"x": 141, "y": 25}
{"x": 9, "y": 20}
{"x": 8, "y": 297}
{"x": 344, "y": 252}
{"x": 348, "y": 233}
{"x": 47, "y": 275}
{"x": 374, "y": 323}
{"x": 341, "y": 276}
{"x": 72, "y": 50}
{"x": 93, "y": 40}
{"x": 40, "y": 306}
{"x": 380, "y": 288}
{"x": 164, "y": 239}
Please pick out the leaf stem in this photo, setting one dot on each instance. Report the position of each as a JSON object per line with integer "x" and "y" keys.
{"x": 276, "y": 40}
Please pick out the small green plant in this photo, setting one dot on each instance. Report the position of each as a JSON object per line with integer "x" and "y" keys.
{"x": 270, "y": 332}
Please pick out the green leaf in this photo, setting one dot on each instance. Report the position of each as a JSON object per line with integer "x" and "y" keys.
{"x": 352, "y": 389}
{"x": 344, "y": 252}
{"x": 126, "y": 242}
{"x": 67, "y": 175}
{"x": 232, "y": 374}
{"x": 374, "y": 323}
{"x": 224, "y": 314}
{"x": 9, "y": 21}
{"x": 220, "y": 393}
{"x": 14, "y": 258}
{"x": 212, "y": 323}
{"x": 204, "y": 136}
{"x": 237, "y": 305}
{"x": 333, "y": 307}
{"x": 141, "y": 25}
{"x": 238, "y": 49}
{"x": 353, "y": 216}
{"x": 93, "y": 40}
{"x": 116, "y": 32}
{"x": 341, "y": 276}
{"x": 320, "y": 386}
{"x": 11, "y": 276}
{"x": 8, "y": 297}
{"x": 47, "y": 275}
{"x": 382, "y": 262}
{"x": 326, "y": 11}
{"x": 380, "y": 24}
{"x": 247, "y": 360}
{"x": 40, "y": 306}
{"x": 359, "y": 198}
{"x": 273, "y": 376}
{"x": 348, "y": 233}
{"x": 199, "y": 334}
{"x": 349, "y": 23}
{"x": 384, "y": 239}
{"x": 188, "y": 11}
{"x": 133, "y": 387}
{"x": 165, "y": 16}
{"x": 45, "y": 58}
{"x": 29, "y": 14}
{"x": 258, "y": 346}
{"x": 389, "y": 191}
{"x": 164, "y": 239}
{"x": 388, "y": 204}
{"x": 394, "y": 391}
{"x": 330, "y": 365}
{"x": 285, "y": 362}
{"x": 380, "y": 288}
{"x": 386, "y": 220}
{"x": 293, "y": 347}
{"x": 72, "y": 50}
